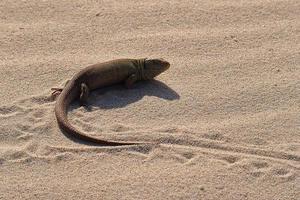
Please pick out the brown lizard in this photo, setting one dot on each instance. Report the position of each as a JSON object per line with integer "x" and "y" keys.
{"x": 100, "y": 75}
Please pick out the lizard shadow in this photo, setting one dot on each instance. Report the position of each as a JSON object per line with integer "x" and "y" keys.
{"x": 117, "y": 96}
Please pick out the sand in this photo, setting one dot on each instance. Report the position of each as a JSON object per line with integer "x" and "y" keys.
{"x": 226, "y": 114}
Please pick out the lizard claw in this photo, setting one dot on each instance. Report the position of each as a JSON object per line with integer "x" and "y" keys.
{"x": 56, "y": 92}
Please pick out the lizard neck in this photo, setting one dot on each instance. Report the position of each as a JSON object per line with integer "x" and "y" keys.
{"x": 140, "y": 72}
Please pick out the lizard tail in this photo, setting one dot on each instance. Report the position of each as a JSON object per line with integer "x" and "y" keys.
{"x": 61, "y": 108}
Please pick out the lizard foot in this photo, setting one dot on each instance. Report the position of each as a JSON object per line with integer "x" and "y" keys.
{"x": 56, "y": 92}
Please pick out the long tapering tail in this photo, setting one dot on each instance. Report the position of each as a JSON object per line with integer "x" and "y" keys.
{"x": 61, "y": 108}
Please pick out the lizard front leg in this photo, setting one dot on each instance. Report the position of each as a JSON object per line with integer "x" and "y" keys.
{"x": 130, "y": 80}
{"x": 84, "y": 94}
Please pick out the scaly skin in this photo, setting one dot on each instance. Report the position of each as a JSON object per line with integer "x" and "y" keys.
{"x": 101, "y": 75}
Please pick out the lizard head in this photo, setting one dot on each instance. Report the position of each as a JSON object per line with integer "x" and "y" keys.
{"x": 154, "y": 67}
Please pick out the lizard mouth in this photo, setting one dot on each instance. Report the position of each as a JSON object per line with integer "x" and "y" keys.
{"x": 154, "y": 67}
{"x": 166, "y": 64}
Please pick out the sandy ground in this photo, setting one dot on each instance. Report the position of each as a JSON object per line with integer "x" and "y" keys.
{"x": 226, "y": 113}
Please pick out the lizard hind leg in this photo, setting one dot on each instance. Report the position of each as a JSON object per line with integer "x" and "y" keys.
{"x": 56, "y": 91}
{"x": 84, "y": 94}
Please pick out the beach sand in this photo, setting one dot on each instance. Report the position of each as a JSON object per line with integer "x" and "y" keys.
{"x": 226, "y": 115}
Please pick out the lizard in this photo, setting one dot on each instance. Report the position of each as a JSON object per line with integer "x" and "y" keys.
{"x": 100, "y": 75}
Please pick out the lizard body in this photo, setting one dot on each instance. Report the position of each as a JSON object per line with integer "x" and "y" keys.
{"x": 101, "y": 75}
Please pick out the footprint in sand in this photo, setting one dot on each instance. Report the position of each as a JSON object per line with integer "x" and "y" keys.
{"x": 259, "y": 168}
{"x": 214, "y": 136}
{"x": 13, "y": 155}
{"x": 39, "y": 114}
{"x": 23, "y": 129}
{"x": 120, "y": 128}
{"x": 230, "y": 159}
{"x": 31, "y": 118}
{"x": 190, "y": 157}
{"x": 256, "y": 168}
{"x": 36, "y": 101}
{"x": 283, "y": 172}
{"x": 186, "y": 157}
{"x": 9, "y": 110}
{"x": 84, "y": 126}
